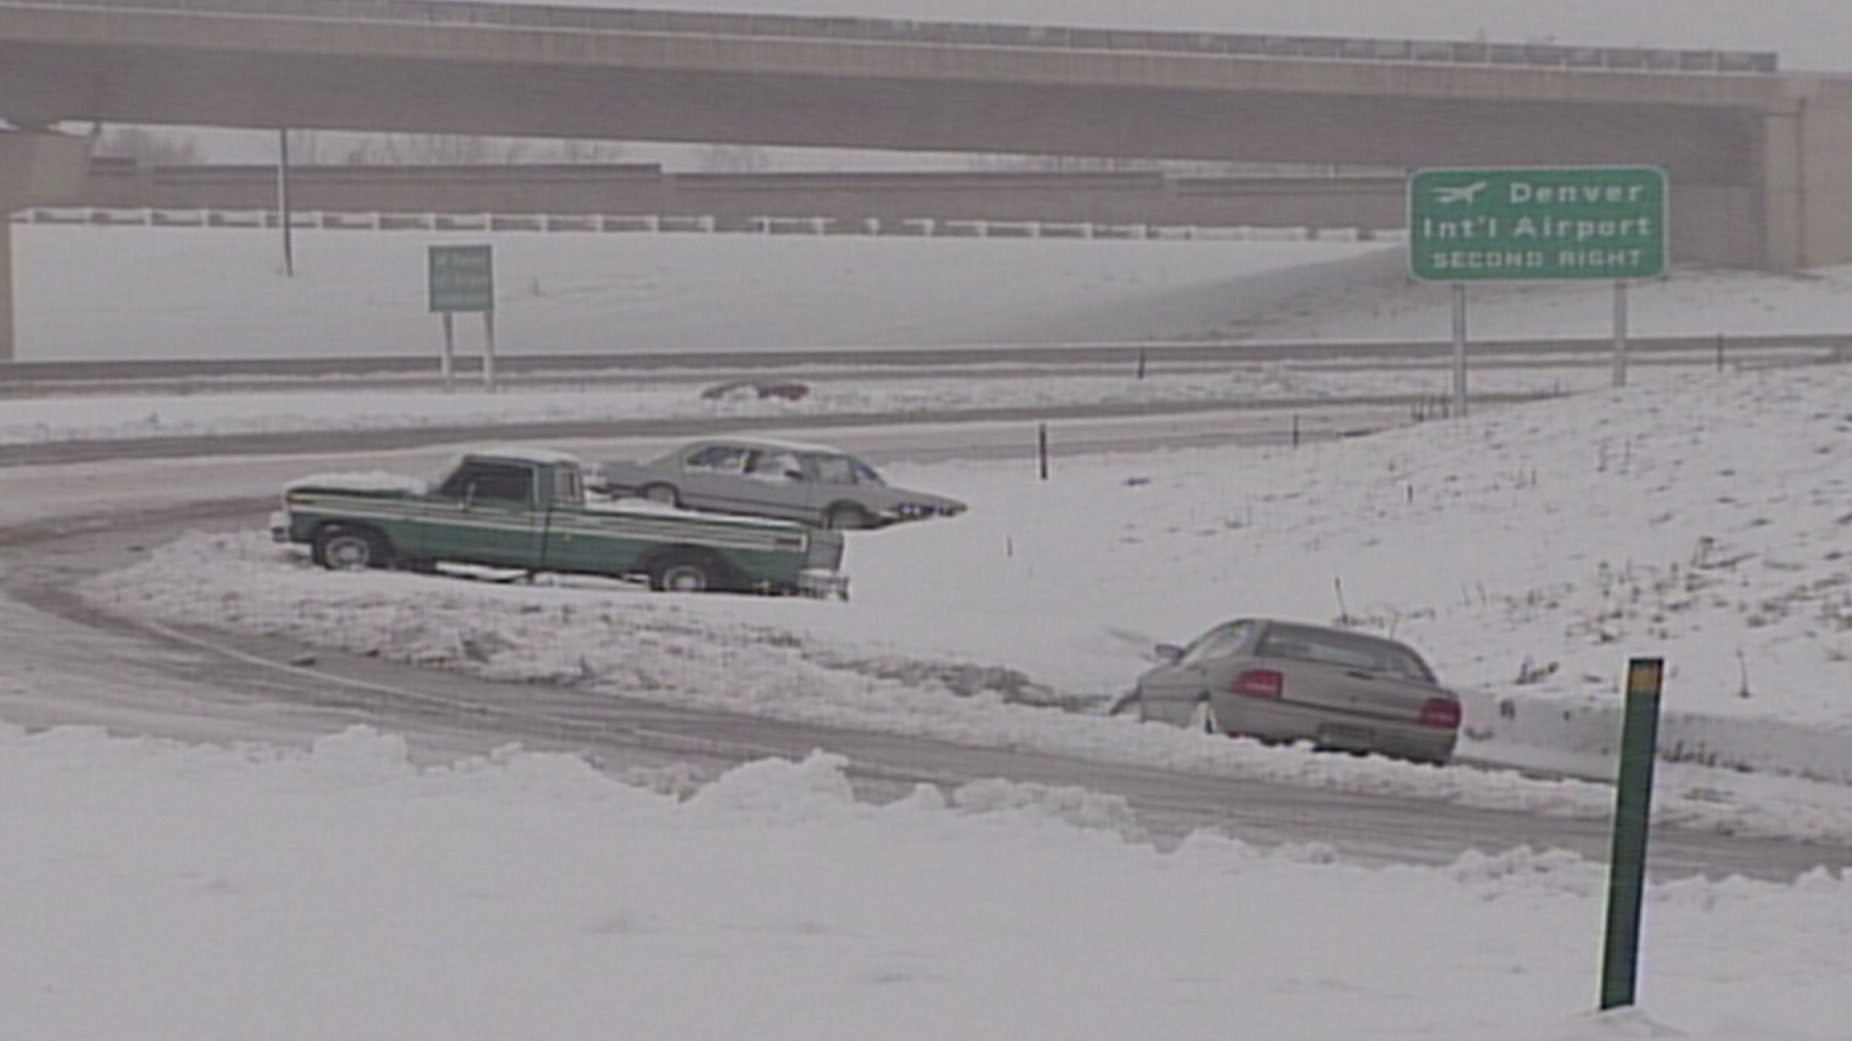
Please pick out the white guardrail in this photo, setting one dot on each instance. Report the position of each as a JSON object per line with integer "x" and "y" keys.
{"x": 151, "y": 217}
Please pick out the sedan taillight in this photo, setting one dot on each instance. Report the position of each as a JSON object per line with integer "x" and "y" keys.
{"x": 1260, "y": 683}
{"x": 1440, "y": 712}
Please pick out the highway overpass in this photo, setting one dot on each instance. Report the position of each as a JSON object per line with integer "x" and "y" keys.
{"x": 1755, "y": 155}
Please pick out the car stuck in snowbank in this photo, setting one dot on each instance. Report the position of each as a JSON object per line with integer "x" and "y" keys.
{"x": 1283, "y": 682}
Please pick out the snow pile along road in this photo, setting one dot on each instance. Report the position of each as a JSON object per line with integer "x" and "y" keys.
{"x": 1700, "y": 522}
{"x": 229, "y": 893}
{"x": 628, "y": 642}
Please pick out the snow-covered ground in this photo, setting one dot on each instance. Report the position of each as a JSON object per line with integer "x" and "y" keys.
{"x": 110, "y": 293}
{"x": 86, "y": 293}
{"x": 1702, "y": 521}
{"x": 1692, "y": 302}
{"x": 103, "y": 293}
{"x": 166, "y": 891}
{"x": 173, "y": 893}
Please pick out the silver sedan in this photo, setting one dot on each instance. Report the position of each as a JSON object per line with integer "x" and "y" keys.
{"x": 1283, "y": 682}
{"x": 812, "y": 484}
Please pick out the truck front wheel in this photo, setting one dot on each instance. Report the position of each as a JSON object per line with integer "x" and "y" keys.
{"x": 350, "y": 549}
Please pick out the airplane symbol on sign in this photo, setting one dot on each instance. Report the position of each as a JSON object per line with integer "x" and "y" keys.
{"x": 1466, "y": 193}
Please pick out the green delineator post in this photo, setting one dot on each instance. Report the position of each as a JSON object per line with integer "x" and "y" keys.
{"x": 1632, "y": 812}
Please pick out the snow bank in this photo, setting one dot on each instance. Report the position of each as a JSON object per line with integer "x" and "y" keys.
{"x": 789, "y": 660}
{"x": 199, "y": 893}
{"x": 1529, "y": 552}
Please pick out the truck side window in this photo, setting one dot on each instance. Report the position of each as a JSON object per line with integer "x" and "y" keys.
{"x": 568, "y": 485}
{"x": 494, "y": 482}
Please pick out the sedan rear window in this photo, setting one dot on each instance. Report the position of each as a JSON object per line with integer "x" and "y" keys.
{"x": 1344, "y": 650}
{"x": 834, "y": 469}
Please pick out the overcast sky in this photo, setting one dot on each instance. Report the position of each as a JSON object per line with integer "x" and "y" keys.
{"x": 1809, "y": 34}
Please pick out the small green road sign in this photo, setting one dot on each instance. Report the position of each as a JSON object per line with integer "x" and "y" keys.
{"x": 462, "y": 279}
{"x": 1570, "y": 222}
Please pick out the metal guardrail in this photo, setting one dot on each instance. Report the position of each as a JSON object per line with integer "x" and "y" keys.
{"x": 1760, "y": 349}
{"x": 1246, "y": 45}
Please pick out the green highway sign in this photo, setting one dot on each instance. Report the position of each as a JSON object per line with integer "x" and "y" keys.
{"x": 1502, "y": 223}
{"x": 462, "y": 279}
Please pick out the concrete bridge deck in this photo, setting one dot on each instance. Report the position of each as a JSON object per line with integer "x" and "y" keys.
{"x": 1755, "y": 156}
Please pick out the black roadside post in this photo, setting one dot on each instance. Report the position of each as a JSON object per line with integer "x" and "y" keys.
{"x": 1632, "y": 813}
{"x": 1041, "y": 448}
{"x": 283, "y": 217}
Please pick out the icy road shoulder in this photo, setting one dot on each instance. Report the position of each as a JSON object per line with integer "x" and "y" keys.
{"x": 688, "y": 651}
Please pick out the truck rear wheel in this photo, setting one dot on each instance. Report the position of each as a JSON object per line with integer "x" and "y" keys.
{"x": 682, "y": 573}
{"x": 350, "y": 549}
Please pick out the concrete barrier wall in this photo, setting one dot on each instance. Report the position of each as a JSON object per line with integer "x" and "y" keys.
{"x": 1584, "y": 734}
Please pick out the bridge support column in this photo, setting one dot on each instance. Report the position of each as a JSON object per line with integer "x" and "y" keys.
{"x": 36, "y": 168}
{"x": 1806, "y": 179}
{"x": 6, "y": 288}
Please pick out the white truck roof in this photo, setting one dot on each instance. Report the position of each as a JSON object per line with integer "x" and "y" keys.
{"x": 524, "y": 454}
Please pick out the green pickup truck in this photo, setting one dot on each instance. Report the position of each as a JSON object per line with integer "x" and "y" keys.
{"x": 526, "y": 510}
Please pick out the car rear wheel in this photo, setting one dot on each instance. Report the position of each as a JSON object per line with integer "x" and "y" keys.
{"x": 350, "y": 549}
{"x": 661, "y": 493}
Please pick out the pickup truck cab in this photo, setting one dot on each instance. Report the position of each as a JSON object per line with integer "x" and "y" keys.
{"x": 526, "y": 509}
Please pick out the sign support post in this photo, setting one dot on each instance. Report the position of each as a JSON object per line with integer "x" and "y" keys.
{"x": 488, "y": 351}
{"x": 462, "y": 278}
{"x": 447, "y": 367}
{"x": 1459, "y": 349}
{"x": 1632, "y": 814}
{"x": 283, "y": 215}
{"x": 1620, "y": 332}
